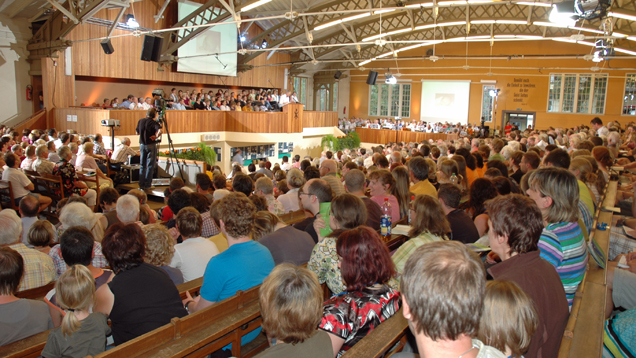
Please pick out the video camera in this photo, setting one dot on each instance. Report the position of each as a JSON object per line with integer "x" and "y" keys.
{"x": 160, "y": 103}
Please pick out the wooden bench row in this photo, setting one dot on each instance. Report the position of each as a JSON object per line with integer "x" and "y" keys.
{"x": 32, "y": 346}
{"x": 583, "y": 336}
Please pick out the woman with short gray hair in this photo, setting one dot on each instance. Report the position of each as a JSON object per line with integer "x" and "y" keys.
{"x": 86, "y": 161}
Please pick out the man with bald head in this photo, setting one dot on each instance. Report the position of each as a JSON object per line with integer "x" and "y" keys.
{"x": 328, "y": 172}
{"x": 122, "y": 151}
{"x": 355, "y": 184}
{"x": 395, "y": 160}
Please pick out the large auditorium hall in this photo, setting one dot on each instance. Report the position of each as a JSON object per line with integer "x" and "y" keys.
{"x": 318, "y": 179}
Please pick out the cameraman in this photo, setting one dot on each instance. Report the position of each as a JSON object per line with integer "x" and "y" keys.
{"x": 148, "y": 129}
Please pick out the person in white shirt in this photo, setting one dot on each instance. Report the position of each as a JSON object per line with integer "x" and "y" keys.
{"x": 275, "y": 96}
{"x": 146, "y": 105}
{"x": 122, "y": 151}
{"x": 173, "y": 95}
{"x": 224, "y": 106}
{"x": 30, "y": 157}
{"x": 53, "y": 157}
{"x": 20, "y": 183}
{"x": 294, "y": 98}
{"x": 597, "y": 125}
{"x": 284, "y": 99}
{"x": 192, "y": 255}
{"x": 285, "y": 165}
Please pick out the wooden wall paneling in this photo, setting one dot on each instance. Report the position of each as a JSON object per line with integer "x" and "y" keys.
{"x": 127, "y": 120}
{"x": 88, "y": 120}
{"x": 312, "y": 119}
{"x": 407, "y": 136}
{"x": 90, "y": 60}
{"x": 379, "y": 136}
{"x": 295, "y": 117}
{"x": 59, "y": 89}
{"x": 257, "y": 122}
{"x": 195, "y": 121}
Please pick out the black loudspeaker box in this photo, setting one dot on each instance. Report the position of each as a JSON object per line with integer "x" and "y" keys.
{"x": 337, "y": 75}
{"x": 373, "y": 76}
{"x": 151, "y": 50}
{"x": 107, "y": 46}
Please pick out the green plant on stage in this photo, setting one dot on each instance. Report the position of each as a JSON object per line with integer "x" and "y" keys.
{"x": 202, "y": 153}
{"x": 333, "y": 143}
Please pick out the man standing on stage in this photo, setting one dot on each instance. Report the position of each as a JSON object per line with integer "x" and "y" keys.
{"x": 148, "y": 129}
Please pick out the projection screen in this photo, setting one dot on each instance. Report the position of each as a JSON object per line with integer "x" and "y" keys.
{"x": 197, "y": 55}
{"x": 445, "y": 101}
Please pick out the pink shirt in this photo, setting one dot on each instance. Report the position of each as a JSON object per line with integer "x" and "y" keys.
{"x": 86, "y": 161}
{"x": 395, "y": 206}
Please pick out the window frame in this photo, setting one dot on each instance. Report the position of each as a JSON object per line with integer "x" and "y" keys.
{"x": 485, "y": 91}
{"x": 389, "y": 108}
{"x": 627, "y": 77}
{"x": 575, "y": 94}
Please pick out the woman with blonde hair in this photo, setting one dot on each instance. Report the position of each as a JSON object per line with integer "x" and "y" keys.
{"x": 582, "y": 170}
{"x": 428, "y": 224}
{"x": 291, "y": 308}
{"x": 509, "y": 319}
{"x": 445, "y": 170}
{"x": 160, "y": 250}
{"x": 562, "y": 244}
{"x": 401, "y": 189}
{"x": 290, "y": 201}
{"x": 598, "y": 187}
{"x": 82, "y": 333}
{"x": 381, "y": 184}
{"x": 461, "y": 166}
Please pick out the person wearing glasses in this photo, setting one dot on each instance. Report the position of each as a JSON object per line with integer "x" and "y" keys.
{"x": 311, "y": 195}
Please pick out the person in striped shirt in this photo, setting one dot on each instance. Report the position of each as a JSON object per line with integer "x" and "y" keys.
{"x": 556, "y": 192}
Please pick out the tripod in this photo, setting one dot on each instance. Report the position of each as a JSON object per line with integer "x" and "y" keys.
{"x": 171, "y": 152}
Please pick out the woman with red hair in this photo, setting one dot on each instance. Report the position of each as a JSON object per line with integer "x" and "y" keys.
{"x": 366, "y": 268}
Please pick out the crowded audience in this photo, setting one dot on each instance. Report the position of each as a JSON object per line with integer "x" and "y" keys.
{"x": 492, "y": 240}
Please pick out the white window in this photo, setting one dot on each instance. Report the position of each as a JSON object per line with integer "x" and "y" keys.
{"x": 390, "y": 100}
{"x": 574, "y": 93}
{"x": 629, "y": 101}
{"x": 300, "y": 87}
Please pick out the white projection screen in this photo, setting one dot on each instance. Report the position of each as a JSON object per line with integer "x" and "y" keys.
{"x": 445, "y": 101}
{"x": 217, "y": 39}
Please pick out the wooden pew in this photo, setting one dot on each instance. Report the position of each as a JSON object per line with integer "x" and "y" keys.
{"x": 36, "y": 293}
{"x": 32, "y": 346}
{"x": 382, "y": 339}
{"x": 293, "y": 217}
{"x": 200, "y": 333}
{"x": 583, "y": 336}
{"x": 7, "y": 199}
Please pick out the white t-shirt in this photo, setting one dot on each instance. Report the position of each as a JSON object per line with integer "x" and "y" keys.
{"x": 192, "y": 256}
{"x": 18, "y": 181}
{"x": 283, "y": 100}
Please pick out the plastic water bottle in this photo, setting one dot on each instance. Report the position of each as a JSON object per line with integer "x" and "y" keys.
{"x": 385, "y": 221}
{"x": 412, "y": 200}
{"x": 454, "y": 179}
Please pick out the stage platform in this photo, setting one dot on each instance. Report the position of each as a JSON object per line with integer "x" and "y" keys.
{"x": 384, "y": 136}
{"x": 155, "y": 196}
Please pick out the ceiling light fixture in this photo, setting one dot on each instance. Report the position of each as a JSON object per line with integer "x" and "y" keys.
{"x": 532, "y": 3}
{"x": 424, "y": 4}
{"x": 131, "y": 22}
{"x": 563, "y": 13}
{"x": 254, "y": 5}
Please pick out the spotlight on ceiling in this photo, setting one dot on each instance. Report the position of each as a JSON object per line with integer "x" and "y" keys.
{"x": 264, "y": 44}
{"x": 591, "y": 9}
{"x": 563, "y": 13}
{"x": 390, "y": 79}
{"x": 242, "y": 38}
{"x": 131, "y": 22}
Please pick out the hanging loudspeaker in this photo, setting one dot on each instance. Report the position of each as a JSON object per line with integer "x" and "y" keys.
{"x": 337, "y": 75}
{"x": 107, "y": 46}
{"x": 373, "y": 76}
{"x": 151, "y": 50}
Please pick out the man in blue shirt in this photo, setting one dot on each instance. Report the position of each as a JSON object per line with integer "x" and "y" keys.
{"x": 243, "y": 265}
{"x": 126, "y": 104}
{"x": 238, "y": 158}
